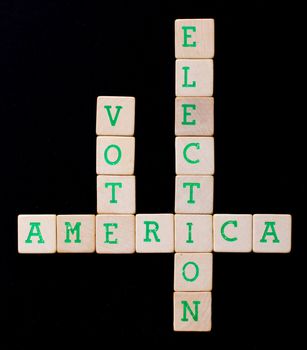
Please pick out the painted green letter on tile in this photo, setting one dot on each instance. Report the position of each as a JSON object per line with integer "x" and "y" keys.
{"x": 186, "y": 84}
{"x": 190, "y": 279}
{"x": 113, "y": 121}
{"x": 186, "y": 307}
{"x": 185, "y": 150}
{"x": 72, "y": 230}
{"x": 109, "y": 233}
{"x": 227, "y": 238}
{"x": 119, "y": 155}
{"x": 113, "y": 185}
{"x": 152, "y": 230}
{"x": 35, "y": 231}
{"x": 186, "y": 36}
{"x": 186, "y": 114}
{"x": 191, "y": 199}
{"x": 269, "y": 225}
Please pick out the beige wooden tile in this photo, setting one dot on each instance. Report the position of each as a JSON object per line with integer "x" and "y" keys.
{"x": 115, "y": 234}
{"x": 192, "y": 311}
{"x": 193, "y": 233}
{"x": 75, "y": 233}
{"x": 154, "y": 233}
{"x": 232, "y": 232}
{"x": 193, "y": 272}
{"x": 272, "y": 233}
{"x": 115, "y": 115}
{"x": 115, "y": 155}
{"x": 194, "y": 155}
{"x": 115, "y": 194}
{"x": 194, "y": 194}
{"x": 194, "y": 116}
{"x": 194, "y": 77}
{"x": 36, "y": 233}
{"x": 194, "y": 38}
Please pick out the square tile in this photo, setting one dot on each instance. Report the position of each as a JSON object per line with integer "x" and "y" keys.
{"x": 233, "y": 232}
{"x": 36, "y": 234}
{"x": 192, "y": 311}
{"x": 194, "y": 194}
{"x": 193, "y": 233}
{"x": 115, "y": 155}
{"x": 193, "y": 272}
{"x": 194, "y": 116}
{"x": 194, "y": 77}
{"x": 155, "y": 233}
{"x": 75, "y": 233}
{"x": 115, "y": 115}
{"x": 194, "y": 155}
{"x": 115, "y": 194}
{"x": 272, "y": 233}
{"x": 115, "y": 234}
{"x": 194, "y": 38}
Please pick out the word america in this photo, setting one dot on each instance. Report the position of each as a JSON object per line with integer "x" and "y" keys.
{"x": 193, "y": 232}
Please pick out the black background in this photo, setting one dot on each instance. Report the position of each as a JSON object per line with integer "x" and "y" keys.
{"x": 56, "y": 57}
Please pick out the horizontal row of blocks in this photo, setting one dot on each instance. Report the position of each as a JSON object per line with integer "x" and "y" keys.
{"x": 154, "y": 233}
{"x": 194, "y": 155}
{"x": 193, "y": 116}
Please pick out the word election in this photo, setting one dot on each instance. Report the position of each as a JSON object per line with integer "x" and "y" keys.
{"x": 192, "y": 232}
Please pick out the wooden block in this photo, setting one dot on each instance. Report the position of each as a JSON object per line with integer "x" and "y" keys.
{"x": 115, "y": 115}
{"x": 194, "y": 77}
{"x": 154, "y": 233}
{"x": 192, "y": 311}
{"x": 194, "y": 38}
{"x": 232, "y": 232}
{"x": 115, "y": 155}
{"x": 193, "y": 272}
{"x": 36, "y": 233}
{"x": 193, "y": 233}
{"x": 75, "y": 233}
{"x": 194, "y": 155}
{"x": 194, "y": 116}
{"x": 115, "y": 194}
{"x": 115, "y": 234}
{"x": 194, "y": 194}
{"x": 272, "y": 233}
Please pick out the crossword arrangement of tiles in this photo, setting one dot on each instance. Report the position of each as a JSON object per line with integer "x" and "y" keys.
{"x": 193, "y": 232}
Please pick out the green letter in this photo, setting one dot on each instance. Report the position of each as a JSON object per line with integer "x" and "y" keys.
{"x": 109, "y": 233}
{"x": 35, "y": 231}
{"x": 186, "y": 114}
{"x": 186, "y": 36}
{"x": 71, "y": 230}
{"x": 269, "y": 225}
{"x": 113, "y": 185}
{"x": 113, "y": 121}
{"x": 189, "y": 240}
{"x": 186, "y": 307}
{"x": 151, "y": 230}
{"x": 192, "y": 185}
{"x": 119, "y": 155}
{"x": 227, "y": 238}
{"x": 185, "y": 79}
{"x": 192, "y": 144}
{"x": 192, "y": 279}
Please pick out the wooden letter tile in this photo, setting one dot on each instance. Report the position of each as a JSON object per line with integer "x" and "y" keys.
{"x": 115, "y": 194}
{"x": 193, "y": 233}
{"x": 193, "y": 272}
{"x": 232, "y": 232}
{"x": 115, "y": 115}
{"x": 194, "y": 77}
{"x": 194, "y": 155}
{"x": 194, "y": 194}
{"x": 154, "y": 233}
{"x": 75, "y": 233}
{"x": 115, "y": 155}
{"x": 194, "y": 38}
{"x": 36, "y": 233}
{"x": 272, "y": 233}
{"x": 192, "y": 311}
{"x": 115, "y": 234}
{"x": 194, "y": 116}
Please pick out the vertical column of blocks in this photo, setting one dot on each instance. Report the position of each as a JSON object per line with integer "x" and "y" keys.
{"x": 115, "y": 181}
{"x": 194, "y": 145}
